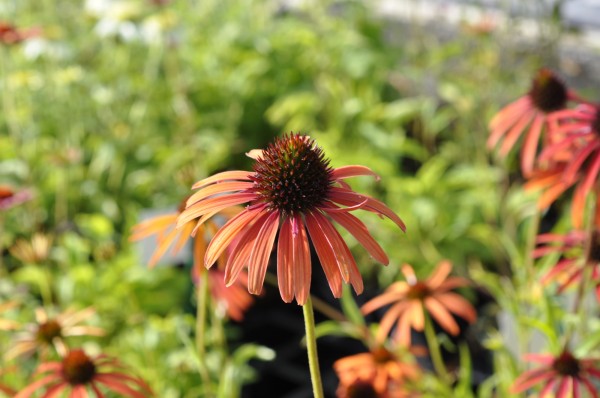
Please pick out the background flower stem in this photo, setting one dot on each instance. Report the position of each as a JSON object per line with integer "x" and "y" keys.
{"x": 201, "y": 305}
{"x": 434, "y": 349}
{"x": 311, "y": 347}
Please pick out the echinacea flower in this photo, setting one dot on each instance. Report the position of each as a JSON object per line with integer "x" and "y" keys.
{"x": 11, "y": 198}
{"x": 235, "y": 298}
{"x": 292, "y": 190}
{"x": 579, "y": 146}
{"x": 32, "y": 251}
{"x": 579, "y": 251}
{"x": 412, "y": 298}
{"x": 563, "y": 374}
{"x": 79, "y": 373}
{"x": 381, "y": 368}
{"x": 47, "y": 332}
{"x": 529, "y": 115}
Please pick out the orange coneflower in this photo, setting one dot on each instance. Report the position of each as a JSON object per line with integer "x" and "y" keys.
{"x": 563, "y": 374}
{"x": 578, "y": 145}
{"x": 47, "y": 332}
{"x": 412, "y": 298}
{"x": 380, "y": 369}
{"x": 292, "y": 190}
{"x": 79, "y": 373}
{"x": 529, "y": 115}
{"x": 235, "y": 298}
{"x": 580, "y": 250}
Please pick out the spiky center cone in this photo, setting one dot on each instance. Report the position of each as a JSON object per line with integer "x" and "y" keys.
{"x": 292, "y": 175}
{"x": 48, "y": 331}
{"x": 361, "y": 389}
{"x": 566, "y": 365}
{"x": 418, "y": 291}
{"x": 78, "y": 368}
{"x": 593, "y": 249}
{"x": 547, "y": 92}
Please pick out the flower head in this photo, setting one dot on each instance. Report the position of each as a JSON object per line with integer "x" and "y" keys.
{"x": 33, "y": 251}
{"x": 292, "y": 190}
{"x": 529, "y": 115}
{"x": 235, "y": 298}
{"x": 579, "y": 250}
{"x": 578, "y": 145}
{"x": 412, "y": 298}
{"x": 11, "y": 198}
{"x": 78, "y": 373}
{"x": 378, "y": 373}
{"x": 48, "y": 332}
{"x": 563, "y": 373}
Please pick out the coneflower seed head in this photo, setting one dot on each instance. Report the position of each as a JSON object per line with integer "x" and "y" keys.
{"x": 292, "y": 175}
{"x": 78, "y": 368}
{"x": 547, "y": 92}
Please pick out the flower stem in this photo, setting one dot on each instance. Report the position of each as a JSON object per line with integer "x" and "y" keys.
{"x": 201, "y": 305}
{"x": 434, "y": 349}
{"x": 311, "y": 347}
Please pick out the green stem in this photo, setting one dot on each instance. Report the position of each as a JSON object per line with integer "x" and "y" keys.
{"x": 201, "y": 305}
{"x": 434, "y": 349}
{"x": 311, "y": 347}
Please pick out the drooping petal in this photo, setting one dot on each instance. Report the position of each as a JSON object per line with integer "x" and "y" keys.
{"x": 564, "y": 387}
{"x": 382, "y": 300}
{"x": 326, "y": 254}
{"x": 348, "y": 268}
{"x": 36, "y": 385}
{"x": 349, "y": 198}
{"x": 118, "y": 386}
{"x": 227, "y": 234}
{"x": 213, "y": 205}
{"x": 352, "y": 171}
{"x": 219, "y": 188}
{"x": 390, "y": 317}
{"x": 360, "y": 232}
{"x": 441, "y": 316}
{"x": 302, "y": 261}
{"x": 458, "y": 305}
{"x": 514, "y": 133}
{"x": 530, "y": 145}
{"x": 240, "y": 254}
{"x": 285, "y": 261}
{"x": 224, "y": 176}
{"x": 530, "y": 378}
{"x": 259, "y": 257}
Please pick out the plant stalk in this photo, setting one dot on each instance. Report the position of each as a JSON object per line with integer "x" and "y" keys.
{"x": 311, "y": 347}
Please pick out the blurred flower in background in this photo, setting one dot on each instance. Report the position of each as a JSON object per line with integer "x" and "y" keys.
{"x": 10, "y": 34}
{"x": 379, "y": 371}
{"x": 32, "y": 251}
{"x": 77, "y": 372}
{"x": 51, "y": 332}
{"x": 410, "y": 299}
{"x": 565, "y": 375}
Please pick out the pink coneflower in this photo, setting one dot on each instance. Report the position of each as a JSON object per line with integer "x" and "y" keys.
{"x": 529, "y": 115}
{"x": 235, "y": 298}
{"x": 412, "y": 298}
{"x": 11, "y": 198}
{"x": 50, "y": 332}
{"x": 579, "y": 137}
{"x": 292, "y": 190}
{"x": 579, "y": 250}
{"x": 563, "y": 374}
{"x": 380, "y": 369}
{"x": 78, "y": 373}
